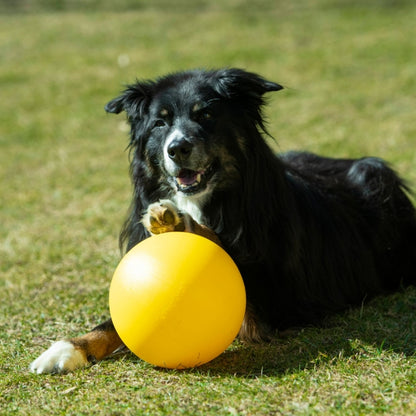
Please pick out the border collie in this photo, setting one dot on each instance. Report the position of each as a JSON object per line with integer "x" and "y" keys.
{"x": 311, "y": 235}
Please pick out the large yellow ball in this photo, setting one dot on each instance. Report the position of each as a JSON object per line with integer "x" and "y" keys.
{"x": 177, "y": 300}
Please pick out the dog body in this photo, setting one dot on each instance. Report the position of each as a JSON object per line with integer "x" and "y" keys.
{"x": 310, "y": 235}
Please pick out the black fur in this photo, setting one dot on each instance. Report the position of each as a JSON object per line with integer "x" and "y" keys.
{"x": 311, "y": 235}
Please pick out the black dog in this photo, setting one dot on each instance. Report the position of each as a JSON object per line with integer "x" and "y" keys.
{"x": 311, "y": 235}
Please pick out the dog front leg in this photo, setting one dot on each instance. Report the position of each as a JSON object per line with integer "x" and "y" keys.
{"x": 67, "y": 355}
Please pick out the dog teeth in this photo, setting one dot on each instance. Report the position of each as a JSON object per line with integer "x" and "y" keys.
{"x": 184, "y": 186}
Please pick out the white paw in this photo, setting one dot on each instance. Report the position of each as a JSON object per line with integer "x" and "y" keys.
{"x": 61, "y": 357}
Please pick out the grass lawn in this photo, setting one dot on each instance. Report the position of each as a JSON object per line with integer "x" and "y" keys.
{"x": 350, "y": 72}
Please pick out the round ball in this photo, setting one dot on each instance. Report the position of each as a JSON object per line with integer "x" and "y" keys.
{"x": 177, "y": 300}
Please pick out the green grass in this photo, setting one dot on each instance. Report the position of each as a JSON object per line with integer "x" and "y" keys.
{"x": 350, "y": 71}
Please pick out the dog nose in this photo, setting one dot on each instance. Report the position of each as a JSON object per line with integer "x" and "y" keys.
{"x": 179, "y": 150}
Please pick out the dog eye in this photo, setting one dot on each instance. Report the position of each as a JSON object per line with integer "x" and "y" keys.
{"x": 204, "y": 115}
{"x": 159, "y": 123}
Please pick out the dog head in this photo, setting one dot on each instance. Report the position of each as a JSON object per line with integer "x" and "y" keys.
{"x": 190, "y": 129}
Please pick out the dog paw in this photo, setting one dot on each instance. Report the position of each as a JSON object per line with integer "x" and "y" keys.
{"x": 162, "y": 217}
{"x": 61, "y": 357}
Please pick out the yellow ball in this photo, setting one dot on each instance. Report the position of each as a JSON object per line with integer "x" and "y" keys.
{"x": 177, "y": 300}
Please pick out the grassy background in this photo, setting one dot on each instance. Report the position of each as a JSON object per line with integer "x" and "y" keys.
{"x": 351, "y": 75}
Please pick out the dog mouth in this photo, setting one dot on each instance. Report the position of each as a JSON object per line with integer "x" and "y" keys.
{"x": 191, "y": 181}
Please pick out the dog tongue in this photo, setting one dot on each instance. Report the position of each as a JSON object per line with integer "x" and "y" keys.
{"x": 187, "y": 177}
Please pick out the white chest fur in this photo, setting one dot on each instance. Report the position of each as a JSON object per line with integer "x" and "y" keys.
{"x": 193, "y": 205}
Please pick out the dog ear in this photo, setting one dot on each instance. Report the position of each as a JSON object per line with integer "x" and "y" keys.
{"x": 234, "y": 83}
{"x": 133, "y": 101}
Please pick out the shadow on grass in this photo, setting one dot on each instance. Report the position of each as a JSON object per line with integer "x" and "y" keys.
{"x": 385, "y": 324}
